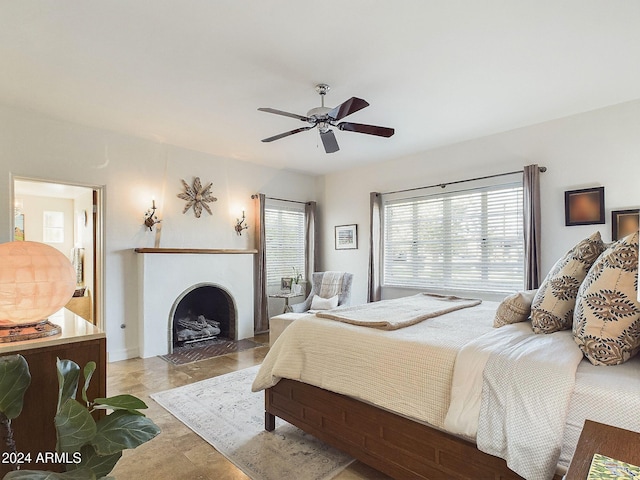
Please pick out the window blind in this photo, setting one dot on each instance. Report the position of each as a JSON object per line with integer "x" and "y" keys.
{"x": 285, "y": 240}
{"x": 467, "y": 240}
{"x": 53, "y": 227}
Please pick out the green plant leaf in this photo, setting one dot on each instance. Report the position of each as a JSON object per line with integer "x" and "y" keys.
{"x": 121, "y": 430}
{"x": 120, "y": 402}
{"x": 68, "y": 375}
{"x": 82, "y": 474}
{"x": 14, "y": 381}
{"x": 74, "y": 425}
{"x": 89, "y": 368}
{"x": 100, "y": 465}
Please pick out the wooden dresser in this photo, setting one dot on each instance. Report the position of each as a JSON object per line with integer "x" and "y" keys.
{"x": 79, "y": 341}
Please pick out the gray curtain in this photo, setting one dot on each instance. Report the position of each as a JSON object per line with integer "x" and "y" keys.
{"x": 261, "y": 314}
{"x": 375, "y": 245}
{"x": 532, "y": 223}
{"x": 311, "y": 238}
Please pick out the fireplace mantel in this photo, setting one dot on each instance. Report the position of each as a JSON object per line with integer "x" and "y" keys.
{"x": 199, "y": 251}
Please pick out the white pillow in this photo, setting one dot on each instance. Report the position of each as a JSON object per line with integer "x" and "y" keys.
{"x": 319, "y": 303}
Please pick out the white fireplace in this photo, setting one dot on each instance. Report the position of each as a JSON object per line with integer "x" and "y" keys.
{"x": 166, "y": 274}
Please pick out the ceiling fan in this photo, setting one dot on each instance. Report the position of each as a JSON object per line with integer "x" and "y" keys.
{"x": 324, "y": 118}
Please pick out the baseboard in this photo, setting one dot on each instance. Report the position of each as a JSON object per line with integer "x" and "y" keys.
{"x": 126, "y": 354}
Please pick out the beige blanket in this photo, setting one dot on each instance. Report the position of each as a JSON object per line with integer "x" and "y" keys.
{"x": 399, "y": 312}
{"x": 407, "y": 371}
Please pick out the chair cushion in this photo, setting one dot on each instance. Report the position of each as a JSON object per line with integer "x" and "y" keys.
{"x": 515, "y": 308}
{"x": 606, "y": 323}
{"x": 552, "y": 307}
{"x": 319, "y": 303}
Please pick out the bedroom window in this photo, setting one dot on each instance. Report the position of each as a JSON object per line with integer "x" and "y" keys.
{"x": 285, "y": 240}
{"x": 465, "y": 240}
{"x": 53, "y": 227}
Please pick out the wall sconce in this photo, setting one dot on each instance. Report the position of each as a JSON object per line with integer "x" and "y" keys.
{"x": 239, "y": 224}
{"x": 150, "y": 218}
{"x": 37, "y": 281}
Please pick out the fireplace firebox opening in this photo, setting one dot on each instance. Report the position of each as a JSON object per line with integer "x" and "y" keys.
{"x": 202, "y": 312}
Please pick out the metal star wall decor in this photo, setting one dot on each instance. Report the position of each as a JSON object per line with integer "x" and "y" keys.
{"x": 197, "y": 197}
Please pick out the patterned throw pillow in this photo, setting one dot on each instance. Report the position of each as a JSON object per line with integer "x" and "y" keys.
{"x": 514, "y": 308}
{"x": 606, "y": 323}
{"x": 552, "y": 307}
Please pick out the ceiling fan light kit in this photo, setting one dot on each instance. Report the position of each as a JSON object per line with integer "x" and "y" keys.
{"x": 324, "y": 118}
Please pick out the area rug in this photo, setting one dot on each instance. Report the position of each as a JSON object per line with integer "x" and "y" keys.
{"x": 225, "y": 413}
{"x": 194, "y": 352}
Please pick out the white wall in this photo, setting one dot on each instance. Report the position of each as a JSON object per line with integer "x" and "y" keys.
{"x": 598, "y": 148}
{"x": 133, "y": 171}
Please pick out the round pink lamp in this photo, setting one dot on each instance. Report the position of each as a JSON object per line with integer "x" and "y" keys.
{"x": 36, "y": 280}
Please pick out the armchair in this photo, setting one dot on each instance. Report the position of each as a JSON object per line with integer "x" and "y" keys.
{"x": 323, "y": 284}
{"x": 326, "y": 285}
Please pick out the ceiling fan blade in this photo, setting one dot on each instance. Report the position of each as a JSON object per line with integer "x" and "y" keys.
{"x": 347, "y": 108}
{"x": 286, "y": 114}
{"x": 329, "y": 141}
{"x": 286, "y": 134}
{"x": 368, "y": 129}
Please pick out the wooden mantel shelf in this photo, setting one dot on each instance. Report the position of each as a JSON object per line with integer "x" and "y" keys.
{"x": 199, "y": 251}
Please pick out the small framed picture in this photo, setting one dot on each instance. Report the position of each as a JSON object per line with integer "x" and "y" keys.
{"x": 584, "y": 207}
{"x": 346, "y": 237}
{"x": 285, "y": 283}
{"x": 624, "y": 222}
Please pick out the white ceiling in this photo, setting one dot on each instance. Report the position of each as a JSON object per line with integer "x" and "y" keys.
{"x": 193, "y": 72}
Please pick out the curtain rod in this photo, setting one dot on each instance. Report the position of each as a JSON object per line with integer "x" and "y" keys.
{"x": 443, "y": 185}
{"x": 254, "y": 196}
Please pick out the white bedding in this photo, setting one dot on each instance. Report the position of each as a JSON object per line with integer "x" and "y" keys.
{"x": 534, "y": 432}
{"x": 605, "y": 394}
{"x": 525, "y": 397}
{"x": 511, "y": 390}
{"x": 410, "y": 371}
{"x": 407, "y": 371}
{"x": 466, "y": 387}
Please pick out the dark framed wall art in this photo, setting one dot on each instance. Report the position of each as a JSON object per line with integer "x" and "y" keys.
{"x": 584, "y": 207}
{"x": 346, "y": 237}
{"x": 624, "y": 222}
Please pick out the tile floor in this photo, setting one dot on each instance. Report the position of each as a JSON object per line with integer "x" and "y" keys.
{"x": 178, "y": 453}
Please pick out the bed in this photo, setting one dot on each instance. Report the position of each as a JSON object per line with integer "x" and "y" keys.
{"x": 384, "y": 396}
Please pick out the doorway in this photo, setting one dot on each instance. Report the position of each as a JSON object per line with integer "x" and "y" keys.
{"x": 67, "y": 217}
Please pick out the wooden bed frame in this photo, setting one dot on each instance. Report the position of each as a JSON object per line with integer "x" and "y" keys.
{"x": 390, "y": 443}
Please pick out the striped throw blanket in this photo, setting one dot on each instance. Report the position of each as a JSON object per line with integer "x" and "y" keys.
{"x": 331, "y": 284}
